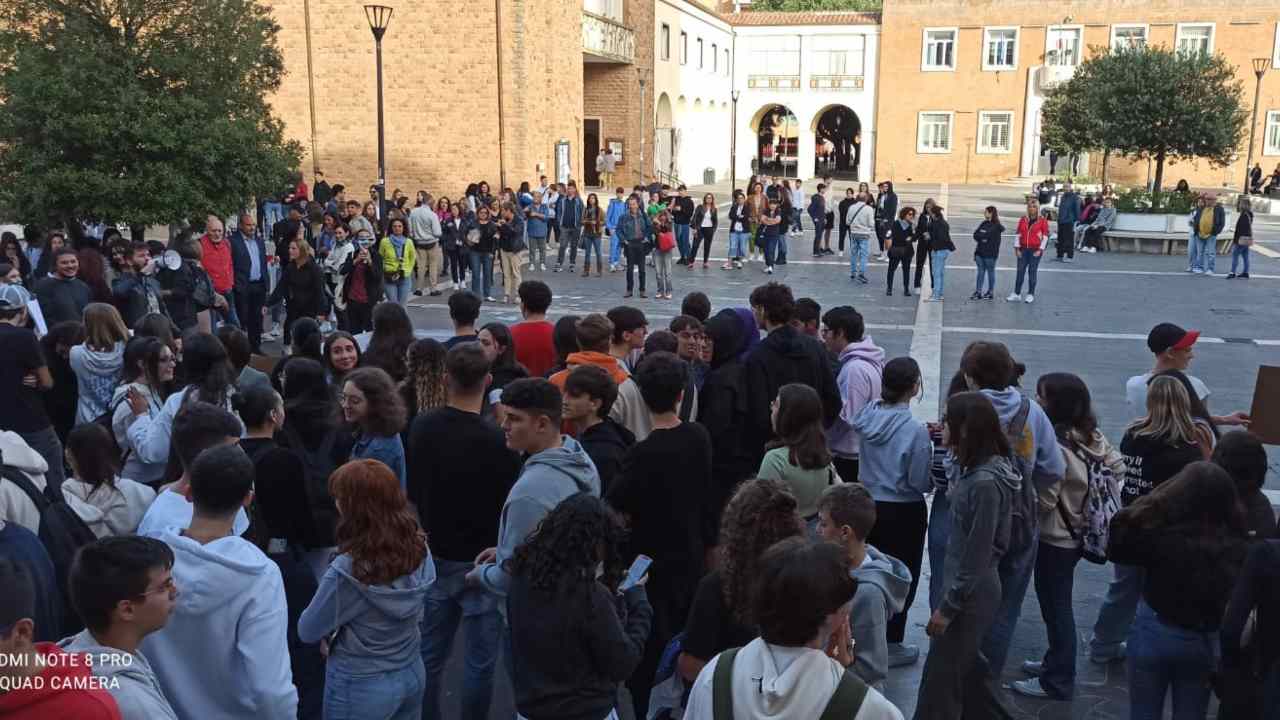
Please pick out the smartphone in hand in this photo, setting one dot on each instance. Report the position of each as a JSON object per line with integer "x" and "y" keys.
{"x": 639, "y": 569}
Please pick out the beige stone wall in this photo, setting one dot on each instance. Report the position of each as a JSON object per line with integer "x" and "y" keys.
{"x": 440, "y": 85}
{"x": 1243, "y": 30}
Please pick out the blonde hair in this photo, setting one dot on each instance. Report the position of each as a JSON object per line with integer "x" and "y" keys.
{"x": 304, "y": 250}
{"x": 1168, "y": 413}
{"x": 103, "y": 327}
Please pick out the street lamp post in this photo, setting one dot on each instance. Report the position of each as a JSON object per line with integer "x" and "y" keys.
{"x": 379, "y": 16}
{"x": 640, "y": 168}
{"x": 733, "y": 144}
{"x": 1260, "y": 66}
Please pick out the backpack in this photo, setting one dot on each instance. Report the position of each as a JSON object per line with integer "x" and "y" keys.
{"x": 1101, "y": 503}
{"x": 61, "y": 531}
{"x": 319, "y": 466}
{"x": 845, "y": 702}
{"x": 1024, "y": 508}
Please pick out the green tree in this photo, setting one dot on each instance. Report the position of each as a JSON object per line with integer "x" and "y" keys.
{"x": 1155, "y": 103}
{"x": 817, "y": 5}
{"x": 148, "y": 111}
{"x": 1069, "y": 122}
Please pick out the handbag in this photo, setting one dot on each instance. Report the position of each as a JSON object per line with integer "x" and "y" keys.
{"x": 1244, "y": 240}
{"x": 473, "y": 237}
{"x": 666, "y": 241}
{"x": 900, "y": 252}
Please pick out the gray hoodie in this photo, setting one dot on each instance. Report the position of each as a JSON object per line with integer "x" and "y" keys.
{"x": 547, "y": 478}
{"x": 883, "y": 581}
{"x": 377, "y": 625}
{"x": 895, "y": 453}
{"x": 97, "y": 374}
{"x": 1048, "y": 464}
{"x": 980, "y": 522}
{"x": 132, "y": 682}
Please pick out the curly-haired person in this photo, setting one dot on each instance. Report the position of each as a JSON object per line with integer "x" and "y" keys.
{"x": 574, "y": 636}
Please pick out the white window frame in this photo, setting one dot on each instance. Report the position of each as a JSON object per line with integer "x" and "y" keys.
{"x": 727, "y": 64}
{"x": 1146, "y": 32}
{"x": 951, "y": 132}
{"x": 1213, "y": 34}
{"x": 1275, "y": 52}
{"x": 702, "y": 56}
{"x": 986, "y": 45}
{"x": 1271, "y": 126}
{"x": 684, "y": 48}
{"x": 715, "y": 58}
{"x": 924, "y": 49}
{"x": 987, "y": 149}
{"x": 1080, "y": 49}
{"x": 664, "y": 42}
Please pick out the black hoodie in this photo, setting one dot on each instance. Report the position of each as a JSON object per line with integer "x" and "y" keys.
{"x": 785, "y": 356}
{"x": 722, "y": 407}
{"x": 606, "y": 442}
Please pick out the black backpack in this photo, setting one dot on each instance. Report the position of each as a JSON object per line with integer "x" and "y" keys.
{"x": 61, "y": 531}
{"x": 319, "y": 466}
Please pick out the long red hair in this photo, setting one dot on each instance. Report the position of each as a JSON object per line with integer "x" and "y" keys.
{"x": 376, "y": 527}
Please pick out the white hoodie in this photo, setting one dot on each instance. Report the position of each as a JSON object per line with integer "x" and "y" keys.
{"x": 15, "y": 506}
{"x": 772, "y": 682}
{"x": 122, "y": 506}
{"x": 224, "y": 654}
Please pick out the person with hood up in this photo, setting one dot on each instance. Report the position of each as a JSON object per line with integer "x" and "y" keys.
{"x": 894, "y": 467}
{"x": 801, "y": 664}
{"x": 955, "y": 681}
{"x": 861, "y": 367}
{"x": 98, "y": 361}
{"x": 556, "y": 468}
{"x": 123, "y": 590}
{"x": 784, "y": 356}
{"x": 1037, "y": 459}
{"x": 846, "y": 516}
{"x": 224, "y": 653}
{"x": 370, "y": 600}
{"x": 722, "y": 406}
{"x": 594, "y": 332}
{"x": 589, "y": 394}
{"x": 1062, "y": 526}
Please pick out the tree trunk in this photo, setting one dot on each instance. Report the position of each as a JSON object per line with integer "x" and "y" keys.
{"x": 1106, "y": 161}
{"x": 137, "y": 233}
{"x": 1155, "y": 181}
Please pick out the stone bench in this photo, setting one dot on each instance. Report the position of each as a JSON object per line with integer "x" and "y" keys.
{"x": 1153, "y": 234}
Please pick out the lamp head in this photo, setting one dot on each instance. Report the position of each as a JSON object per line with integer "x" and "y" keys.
{"x": 1260, "y": 65}
{"x": 379, "y": 16}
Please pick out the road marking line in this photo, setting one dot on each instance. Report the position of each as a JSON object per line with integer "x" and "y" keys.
{"x": 1084, "y": 335}
{"x": 1265, "y": 252}
{"x": 926, "y": 342}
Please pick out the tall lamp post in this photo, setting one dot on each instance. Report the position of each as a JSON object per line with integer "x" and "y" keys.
{"x": 379, "y": 16}
{"x": 733, "y": 144}
{"x": 640, "y": 168}
{"x": 1260, "y": 66}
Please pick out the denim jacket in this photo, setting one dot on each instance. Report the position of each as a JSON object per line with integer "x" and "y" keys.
{"x": 537, "y": 226}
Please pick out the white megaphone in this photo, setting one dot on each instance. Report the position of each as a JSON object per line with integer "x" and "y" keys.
{"x": 172, "y": 260}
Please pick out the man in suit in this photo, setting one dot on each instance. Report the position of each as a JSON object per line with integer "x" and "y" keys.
{"x": 252, "y": 277}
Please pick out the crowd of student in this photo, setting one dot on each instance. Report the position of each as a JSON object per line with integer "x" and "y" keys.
{"x": 309, "y": 542}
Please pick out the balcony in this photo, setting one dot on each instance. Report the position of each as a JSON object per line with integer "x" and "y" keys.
{"x": 786, "y": 83}
{"x": 843, "y": 83}
{"x": 1051, "y": 76}
{"x": 605, "y": 39}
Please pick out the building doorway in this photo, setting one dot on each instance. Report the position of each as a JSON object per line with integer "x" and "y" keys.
{"x": 777, "y": 142}
{"x": 590, "y": 151}
{"x": 837, "y": 136}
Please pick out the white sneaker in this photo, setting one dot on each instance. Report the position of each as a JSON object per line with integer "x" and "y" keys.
{"x": 1013, "y": 297}
{"x": 769, "y": 270}
{"x": 841, "y": 254}
{"x": 532, "y": 267}
{"x": 1030, "y": 299}
{"x": 542, "y": 267}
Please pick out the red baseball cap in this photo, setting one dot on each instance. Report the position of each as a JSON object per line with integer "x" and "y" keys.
{"x": 1167, "y": 336}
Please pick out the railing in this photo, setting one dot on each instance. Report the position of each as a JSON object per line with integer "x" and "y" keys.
{"x": 773, "y": 82}
{"x": 667, "y": 178}
{"x": 608, "y": 39}
{"x": 611, "y": 9}
{"x": 836, "y": 82}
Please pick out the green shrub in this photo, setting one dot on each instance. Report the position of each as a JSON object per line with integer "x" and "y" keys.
{"x": 1140, "y": 200}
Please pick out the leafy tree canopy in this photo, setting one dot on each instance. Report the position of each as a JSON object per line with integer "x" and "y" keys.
{"x": 145, "y": 111}
{"x": 817, "y": 5}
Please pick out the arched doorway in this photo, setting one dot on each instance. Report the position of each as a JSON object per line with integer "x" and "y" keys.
{"x": 664, "y": 133}
{"x": 837, "y": 133}
{"x": 777, "y": 142}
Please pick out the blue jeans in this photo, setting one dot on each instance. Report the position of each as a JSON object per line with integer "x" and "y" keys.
{"x": 481, "y": 273}
{"x": 615, "y": 249}
{"x": 738, "y": 245}
{"x": 682, "y": 241}
{"x": 1055, "y": 580}
{"x": 818, "y": 227}
{"x": 938, "y": 268}
{"x": 1239, "y": 252}
{"x": 770, "y": 249}
{"x": 987, "y": 267}
{"x": 859, "y": 250}
{"x": 589, "y": 243}
{"x": 400, "y": 291}
{"x": 939, "y": 535}
{"x": 795, "y": 219}
{"x": 1116, "y": 615}
{"x": 568, "y": 236}
{"x": 1165, "y": 658}
{"x": 393, "y": 695}
{"x": 1207, "y": 250}
{"x": 1015, "y": 569}
{"x": 1028, "y": 263}
{"x": 448, "y": 604}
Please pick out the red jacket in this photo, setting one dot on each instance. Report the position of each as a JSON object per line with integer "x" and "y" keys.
{"x": 217, "y": 263}
{"x": 1033, "y": 236}
{"x": 64, "y": 689}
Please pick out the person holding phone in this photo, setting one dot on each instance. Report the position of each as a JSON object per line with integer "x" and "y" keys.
{"x": 362, "y": 282}
{"x": 578, "y": 626}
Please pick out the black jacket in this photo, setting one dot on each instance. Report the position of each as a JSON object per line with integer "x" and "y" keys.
{"x": 373, "y": 283}
{"x": 722, "y": 407}
{"x": 785, "y": 356}
{"x": 923, "y": 225}
{"x": 488, "y": 237}
{"x": 701, "y": 210}
{"x": 131, "y": 292}
{"x": 843, "y": 213}
{"x": 739, "y": 218}
{"x": 682, "y": 210}
{"x": 241, "y": 261}
{"x": 940, "y": 235}
{"x": 902, "y": 234}
{"x": 887, "y": 205}
{"x": 1248, "y": 670}
{"x": 606, "y": 442}
{"x": 987, "y": 239}
{"x": 61, "y": 300}
{"x": 180, "y": 289}
{"x": 302, "y": 289}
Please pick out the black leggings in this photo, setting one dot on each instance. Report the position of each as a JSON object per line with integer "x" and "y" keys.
{"x": 922, "y": 255}
{"x": 457, "y": 266}
{"x": 906, "y": 269}
{"x": 703, "y": 237}
{"x": 900, "y": 532}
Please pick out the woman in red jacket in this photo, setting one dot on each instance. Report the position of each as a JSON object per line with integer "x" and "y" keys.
{"x": 1033, "y": 235}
